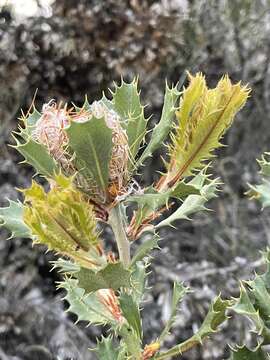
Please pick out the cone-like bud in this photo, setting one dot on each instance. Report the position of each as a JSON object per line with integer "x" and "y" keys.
{"x": 50, "y": 130}
{"x": 64, "y": 221}
{"x": 203, "y": 117}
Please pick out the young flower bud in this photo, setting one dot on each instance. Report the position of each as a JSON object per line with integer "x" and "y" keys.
{"x": 64, "y": 221}
{"x": 50, "y": 130}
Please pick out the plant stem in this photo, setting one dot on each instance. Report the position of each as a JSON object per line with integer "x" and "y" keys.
{"x": 117, "y": 223}
{"x": 180, "y": 349}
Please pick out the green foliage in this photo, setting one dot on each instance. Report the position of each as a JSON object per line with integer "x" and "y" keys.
{"x": 203, "y": 117}
{"x": 91, "y": 143}
{"x": 145, "y": 248}
{"x": 112, "y": 276}
{"x": 243, "y": 353}
{"x": 162, "y": 129}
{"x": 131, "y": 312}
{"x": 214, "y": 318}
{"x": 88, "y": 156}
{"x": 138, "y": 281}
{"x": 254, "y": 303}
{"x": 106, "y": 350}
{"x": 87, "y": 307}
{"x": 11, "y": 217}
{"x": 179, "y": 291}
{"x": 62, "y": 220}
{"x": 126, "y": 102}
{"x": 152, "y": 200}
{"x": 262, "y": 191}
{"x": 34, "y": 153}
{"x": 194, "y": 203}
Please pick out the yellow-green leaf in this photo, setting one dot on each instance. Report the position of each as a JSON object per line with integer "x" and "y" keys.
{"x": 203, "y": 118}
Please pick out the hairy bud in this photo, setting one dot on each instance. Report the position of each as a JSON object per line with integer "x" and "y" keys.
{"x": 50, "y": 130}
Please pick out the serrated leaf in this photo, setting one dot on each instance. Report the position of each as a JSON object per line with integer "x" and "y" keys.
{"x": 65, "y": 266}
{"x": 145, "y": 248}
{"x": 254, "y": 302}
{"x": 151, "y": 201}
{"x": 64, "y": 221}
{"x": 250, "y": 304}
{"x": 87, "y": 307}
{"x": 113, "y": 276}
{"x": 11, "y": 217}
{"x": 261, "y": 296}
{"x": 132, "y": 342}
{"x": 194, "y": 203}
{"x": 138, "y": 280}
{"x": 91, "y": 142}
{"x": 204, "y": 116}
{"x": 262, "y": 191}
{"x": 126, "y": 102}
{"x": 215, "y": 317}
{"x": 179, "y": 291}
{"x": 37, "y": 155}
{"x": 32, "y": 118}
{"x": 106, "y": 350}
{"x": 243, "y": 353}
{"x": 131, "y": 312}
{"x": 164, "y": 126}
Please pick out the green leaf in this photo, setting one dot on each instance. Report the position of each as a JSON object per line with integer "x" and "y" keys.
{"x": 32, "y": 118}
{"x": 106, "y": 350}
{"x": 126, "y": 102}
{"x": 37, "y": 155}
{"x": 203, "y": 118}
{"x": 145, "y": 248}
{"x": 64, "y": 221}
{"x": 194, "y": 203}
{"x": 254, "y": 303}
{"x": 87, "y": 307}
{"x": 245, "y": 306}
{"x": 261, "y": 296}
{"x": 132, "y": 342}
{"x": 164, "y": 126}
{"x": 179, "y": 291}
{"x": 131, "y": 312}
{"x": 11, "y": 217}
{"x": 215, "y": 317}
{"x": 262, "y": 191}
{"x": 138, "y": 280}
{"x": 243, "y": 353}
{"x": 153, "y": 199}
{"x": 91, "y": 143}
{"x": 65, "y": 266}
{"x": 113, "y": 276}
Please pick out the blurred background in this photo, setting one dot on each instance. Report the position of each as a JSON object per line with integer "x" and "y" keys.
{"x": 69, "y": 48}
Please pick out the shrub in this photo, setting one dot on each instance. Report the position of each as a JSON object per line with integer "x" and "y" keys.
{"x": 89, "y": 156}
